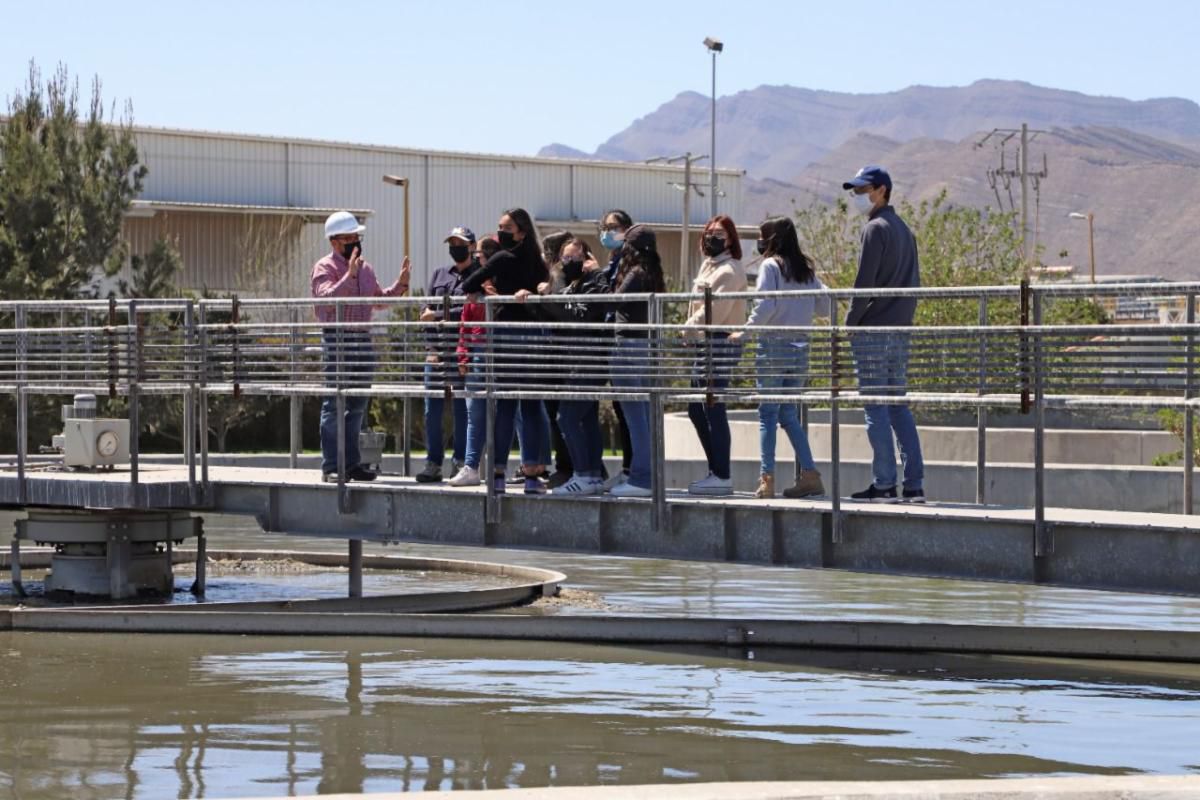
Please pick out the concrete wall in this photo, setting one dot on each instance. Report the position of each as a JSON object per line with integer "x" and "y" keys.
{"x": 1004, "y": 445}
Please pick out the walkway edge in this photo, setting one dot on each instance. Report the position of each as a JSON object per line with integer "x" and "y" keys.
{"x": 1101, "y": 643}
{"x": 1131, "y": 787}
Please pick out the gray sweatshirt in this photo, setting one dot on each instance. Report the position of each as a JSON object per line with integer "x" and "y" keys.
{"x": 785, "y": 310}
{"x": 888, "y": 260}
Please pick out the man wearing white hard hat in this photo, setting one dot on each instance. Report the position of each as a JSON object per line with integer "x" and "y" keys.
{"x": 344, "y": 273}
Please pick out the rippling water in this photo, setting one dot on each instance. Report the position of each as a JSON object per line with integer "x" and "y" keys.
{"x": 95, "y": 716}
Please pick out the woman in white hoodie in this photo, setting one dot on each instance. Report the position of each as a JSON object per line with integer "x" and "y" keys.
{"x": 721, "y": 272}
{"x": 782, "y": 357}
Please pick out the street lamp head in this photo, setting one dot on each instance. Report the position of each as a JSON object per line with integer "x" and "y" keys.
{"x": 715, "y": 45}
{"x": 395, "y": 180}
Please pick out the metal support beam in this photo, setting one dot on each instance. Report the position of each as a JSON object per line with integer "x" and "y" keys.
{"x": 189, "y": 402}
{"x": 981, "y": 412}
{"x": 1189, "y": 414}
{"x": 294, "y": 403}
{"x": 491, "y": 506}
{"x": 200, "y": 585}
{"x": 835, "y": 444}
{"x": 1043, "y": 543}
{"x": 21, "y": 323}
{"x": 356, "y": 567}
{"x": 658, "y": 449}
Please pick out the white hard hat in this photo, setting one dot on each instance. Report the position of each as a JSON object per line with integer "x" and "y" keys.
{"x": 341, "y": 223}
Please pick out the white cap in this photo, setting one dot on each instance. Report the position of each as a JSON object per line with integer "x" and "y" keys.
{"x": 341, "y": 223}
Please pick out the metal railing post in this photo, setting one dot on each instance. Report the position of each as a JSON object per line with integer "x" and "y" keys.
{"x": 189, "y": 399}
{"x": 658, "y": 480}
{"x": 202, "y": 401}
{"x": 709, "y": 400}
{"x": 294, "y": 406}
{"x": 1043, "y": 544}
{"x": 1023, "y": 351}
{"x": 981, "y": 413}
{"x": 340, "y": 403}
{"x": 134, "y": 360}
{"x": 491, "y": 511}
{"x": 355, "y": 561}
{"x": 20, "y": 321}
{"x": 835, "y": 430}
{"x": 1189, "y": 414}
{"x": 406, "y": 403}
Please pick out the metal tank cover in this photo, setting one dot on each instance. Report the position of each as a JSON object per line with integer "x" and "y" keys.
{"x": 102, "y": 553}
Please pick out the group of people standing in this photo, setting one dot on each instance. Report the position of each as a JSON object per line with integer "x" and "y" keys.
{"x": 608, "y": 342}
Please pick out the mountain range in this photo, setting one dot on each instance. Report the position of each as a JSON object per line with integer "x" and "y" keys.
{"x": 1133, "y": 164}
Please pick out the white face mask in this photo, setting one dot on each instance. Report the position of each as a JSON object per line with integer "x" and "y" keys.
{"x": 862, "y": 203}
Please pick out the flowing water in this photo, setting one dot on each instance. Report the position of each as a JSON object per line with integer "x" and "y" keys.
{"x": 102, "y": 716}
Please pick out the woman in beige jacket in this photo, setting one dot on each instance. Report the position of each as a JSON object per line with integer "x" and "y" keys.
{"x": 722, "y": 272}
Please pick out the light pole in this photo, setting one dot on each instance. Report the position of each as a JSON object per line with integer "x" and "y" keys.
{"x": 714, "y": 46}
{"x": 1090, "y": 217}
{"x": 406, "y": 414}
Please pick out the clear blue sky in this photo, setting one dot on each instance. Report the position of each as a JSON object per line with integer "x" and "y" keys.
{"x": 420, "y": 73}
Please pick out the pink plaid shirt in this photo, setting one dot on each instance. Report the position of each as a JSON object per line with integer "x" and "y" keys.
{"x": 331, "y": 278}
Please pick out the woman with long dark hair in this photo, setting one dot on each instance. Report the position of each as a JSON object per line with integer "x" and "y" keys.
{"x": 580, "y": 356}
{"x": 721, "y": 272}
{"x": 638, "y": 272}
{"x": 515, "y": 270}
{"x": 781, "y": 361}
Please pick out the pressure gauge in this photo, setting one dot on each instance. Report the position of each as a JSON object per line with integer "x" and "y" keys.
{"x": 107, "y": 443}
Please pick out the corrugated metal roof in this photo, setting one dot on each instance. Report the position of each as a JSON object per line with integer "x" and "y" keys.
{"x": 413, "y": 151}
{"x": 239, "y": 208}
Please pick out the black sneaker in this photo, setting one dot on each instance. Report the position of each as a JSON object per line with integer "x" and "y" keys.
{"x": 431, "y": 474}
{"x": 359, "y": 473}
{"x": 559, "y": 478}
{"x": 872, "y": 494}
{"x": 913, "y": 496}
{"x": 517, "y": 478}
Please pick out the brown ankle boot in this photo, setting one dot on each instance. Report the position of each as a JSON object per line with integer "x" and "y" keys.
{"x": 808, "y": 484}
{"x": 766, "y": 487}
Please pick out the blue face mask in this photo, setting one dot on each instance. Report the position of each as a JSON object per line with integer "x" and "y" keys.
{"x": 611, "y": 240}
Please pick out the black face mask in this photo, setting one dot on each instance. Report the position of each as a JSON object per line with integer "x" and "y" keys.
{"x": 459, "y": 253}
{"x": 507, "y": 240}
{"x": 761, "y": 246}
{"x": 714, "y": 245}
{"x": 572, "y": 270}
{"x": 348, "y": 249}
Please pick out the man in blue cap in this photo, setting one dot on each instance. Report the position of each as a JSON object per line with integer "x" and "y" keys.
{"x": 888, "y": 260}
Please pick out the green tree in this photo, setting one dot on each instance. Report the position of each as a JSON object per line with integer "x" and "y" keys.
{"x": 66, "y": 180}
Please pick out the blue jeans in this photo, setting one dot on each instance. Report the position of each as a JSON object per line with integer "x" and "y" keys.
{"x": 435, "y": 442}
{"x": 531, "y": 433}
{"x": 631, "y": 370}
{"x": 712, "y": 422}
{"x": 781, "y": 365}
{"x": 534, "y": 453}
{"x": 358, "y": 365}
{"x": 476, "y": 411}
{"x": 882, "y": 362}
{"x": 579, "y": 421}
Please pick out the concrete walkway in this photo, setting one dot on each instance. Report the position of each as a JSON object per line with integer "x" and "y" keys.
{"x": 1135, "y": 787}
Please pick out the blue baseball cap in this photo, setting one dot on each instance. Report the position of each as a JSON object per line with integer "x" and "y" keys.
{"x": 870, "y": 175}
{"x": 461, "y": 232}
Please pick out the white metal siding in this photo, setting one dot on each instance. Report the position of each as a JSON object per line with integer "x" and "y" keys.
{"x": 446, "y": 190}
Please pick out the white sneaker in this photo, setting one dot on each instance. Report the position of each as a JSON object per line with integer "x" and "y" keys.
{"x": 627, "y": 489}
{"x": 615, "y": 480}
{"x": 712, "y": 485}
{"x": 467, "y": 476}
{"x": 577, "y": 487}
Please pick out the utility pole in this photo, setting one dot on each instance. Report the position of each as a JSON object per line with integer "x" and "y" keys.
{"x": 685, "y": 238}
{"x": 1022, "y": 173}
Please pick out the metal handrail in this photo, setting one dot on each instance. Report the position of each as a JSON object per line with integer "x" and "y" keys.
{"x": 980, "y": 366}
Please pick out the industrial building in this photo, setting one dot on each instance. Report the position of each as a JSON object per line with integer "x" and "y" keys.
{"x": 246, "y": 211}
